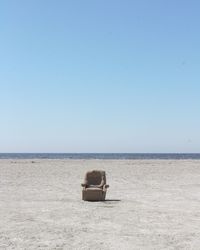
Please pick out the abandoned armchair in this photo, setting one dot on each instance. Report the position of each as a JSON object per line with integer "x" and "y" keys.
{"x": 94, "y": 186}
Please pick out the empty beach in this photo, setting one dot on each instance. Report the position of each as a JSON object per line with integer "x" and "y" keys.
{"x": 150, "y": 204}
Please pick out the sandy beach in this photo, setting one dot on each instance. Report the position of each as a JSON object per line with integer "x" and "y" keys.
{"x": 151, "y": 204}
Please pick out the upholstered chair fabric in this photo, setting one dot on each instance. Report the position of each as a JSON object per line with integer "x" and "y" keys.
{"x": 94, "y": 186}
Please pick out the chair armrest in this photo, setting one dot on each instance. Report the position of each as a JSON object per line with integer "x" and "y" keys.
{"x": 105, "y": 187}
{"x": 83, "y": 184}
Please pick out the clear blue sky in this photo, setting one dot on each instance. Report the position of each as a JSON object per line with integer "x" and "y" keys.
{"x": 99, "y": 76}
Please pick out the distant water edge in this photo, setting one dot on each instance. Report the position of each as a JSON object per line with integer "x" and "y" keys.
{"x": 111, "y": 156}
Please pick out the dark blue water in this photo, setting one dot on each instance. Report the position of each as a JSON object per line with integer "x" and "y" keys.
{"x": 97, "y": 156}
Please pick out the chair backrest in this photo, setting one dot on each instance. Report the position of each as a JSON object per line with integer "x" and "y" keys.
{"x": 95, "y": 177}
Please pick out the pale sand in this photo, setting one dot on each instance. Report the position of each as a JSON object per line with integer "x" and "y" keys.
{"x": 41, "y": 206}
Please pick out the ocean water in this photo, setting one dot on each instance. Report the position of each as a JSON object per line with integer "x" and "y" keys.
{"x": 98, "y": 156}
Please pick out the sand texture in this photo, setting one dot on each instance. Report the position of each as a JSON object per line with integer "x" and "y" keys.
{"x": 151, "y": 204}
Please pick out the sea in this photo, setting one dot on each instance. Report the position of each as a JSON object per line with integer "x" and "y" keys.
{"x": 114, "y": 156}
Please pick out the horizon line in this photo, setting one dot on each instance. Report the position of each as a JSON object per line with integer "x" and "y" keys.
{"x": 98, "y": 153}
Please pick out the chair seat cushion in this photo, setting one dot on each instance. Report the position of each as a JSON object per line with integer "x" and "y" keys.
{"x": 93, "y": 189}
